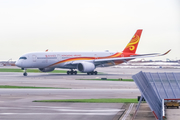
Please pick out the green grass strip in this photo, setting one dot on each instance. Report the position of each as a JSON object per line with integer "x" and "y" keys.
{"x": 109, "y": 79}
{"x": 35, "y": 70}
{"x": 109, "y": 100}
{"x": 29, "y": 70}
{"x": 29, "y": 87}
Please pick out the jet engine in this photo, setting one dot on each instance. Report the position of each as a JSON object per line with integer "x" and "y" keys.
{"x": 86, "y": 67}
{"x": 46, "y": 69}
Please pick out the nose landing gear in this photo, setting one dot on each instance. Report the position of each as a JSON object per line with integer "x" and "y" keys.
{"x": 25, "y": 73}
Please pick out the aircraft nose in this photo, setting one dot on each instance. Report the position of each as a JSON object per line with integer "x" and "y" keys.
{"x": 18, "y": 63}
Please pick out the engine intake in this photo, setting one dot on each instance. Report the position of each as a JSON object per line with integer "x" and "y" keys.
{"x": 86, "y": 67}
{"x": 46, "y": 69}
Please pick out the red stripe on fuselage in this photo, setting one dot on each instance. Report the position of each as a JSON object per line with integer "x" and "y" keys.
{"x": 118, "y": 54}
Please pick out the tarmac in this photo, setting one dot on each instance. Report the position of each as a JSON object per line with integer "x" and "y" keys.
{"x": 17, "y": 104}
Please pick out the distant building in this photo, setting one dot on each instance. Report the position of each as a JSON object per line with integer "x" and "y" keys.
{"x": 7, "y": 63}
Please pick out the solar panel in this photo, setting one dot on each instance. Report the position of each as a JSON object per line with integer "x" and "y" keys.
{"x": 157, "y": 86}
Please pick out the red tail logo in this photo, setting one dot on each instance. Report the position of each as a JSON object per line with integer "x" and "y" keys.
{"x": 132, "y": 45}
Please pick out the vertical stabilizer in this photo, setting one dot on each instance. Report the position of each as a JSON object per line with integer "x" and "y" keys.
{"x": 133, "y": 44}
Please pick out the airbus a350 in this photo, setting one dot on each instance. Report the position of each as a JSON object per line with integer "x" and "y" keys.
{"x": 85, "y": 62}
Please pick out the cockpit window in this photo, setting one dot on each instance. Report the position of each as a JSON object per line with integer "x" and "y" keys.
{"x": 23, "y": 58}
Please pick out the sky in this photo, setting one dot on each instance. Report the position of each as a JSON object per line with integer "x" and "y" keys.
{"x": 88, "y": 25}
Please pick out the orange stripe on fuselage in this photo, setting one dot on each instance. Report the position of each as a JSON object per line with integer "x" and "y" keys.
{"x": 73, "y": 59}
{"x": 118, "y": 54}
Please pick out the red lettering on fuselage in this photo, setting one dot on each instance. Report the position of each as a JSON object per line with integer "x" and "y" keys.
{"x": 71, "y": 55}
{"x": 50, "y": 55}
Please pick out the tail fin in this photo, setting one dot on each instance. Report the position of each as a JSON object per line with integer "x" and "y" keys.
{"x": 132, "y": 45}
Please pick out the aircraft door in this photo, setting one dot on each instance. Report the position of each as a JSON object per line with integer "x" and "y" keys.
{"x": 34, "y": 58}
{"x": 59, "y": 57}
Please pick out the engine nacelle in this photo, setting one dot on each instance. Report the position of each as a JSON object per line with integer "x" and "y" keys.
{"x": 86, "y": 67}
{"x": 46, "y": 69}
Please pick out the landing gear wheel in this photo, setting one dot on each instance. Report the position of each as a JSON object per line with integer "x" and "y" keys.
{"x": 71, "y": 72}
{"x": 92, "y": 73}
{"x": 25, "y": 74}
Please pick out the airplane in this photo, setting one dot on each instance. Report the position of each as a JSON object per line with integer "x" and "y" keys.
{"x": 85, "y": 62}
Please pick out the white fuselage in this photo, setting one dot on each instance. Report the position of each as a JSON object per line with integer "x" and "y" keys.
{"x": 46, "y": 59}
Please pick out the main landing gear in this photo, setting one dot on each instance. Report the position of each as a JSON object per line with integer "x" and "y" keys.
{"x": 92, "y": 73}
{"x": 25, "y": 73}
{"x": 71, "y": 72}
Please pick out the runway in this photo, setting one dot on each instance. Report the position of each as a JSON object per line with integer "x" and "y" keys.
{"x": 17, "y": 104}
{"x": 64, "y": 81}
{"x": 60, "y": 111}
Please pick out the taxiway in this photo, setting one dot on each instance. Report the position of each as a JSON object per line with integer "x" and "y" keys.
{"x": 17, "y": 103}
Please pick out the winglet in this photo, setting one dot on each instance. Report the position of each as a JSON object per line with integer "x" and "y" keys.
{"x": 166, "y": 52}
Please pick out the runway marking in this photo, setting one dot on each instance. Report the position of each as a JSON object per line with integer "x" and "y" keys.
{"x": 129, "y": 110}
{"x": 38, "y": 107}
{"x": 66, "y": 109}
{"x": 8, "y": 75}
{"x": 107, "y": 110}
{"x": 62, "y": 109}
{"x": 47, "y": 107}
{"x": 58, "y": 113}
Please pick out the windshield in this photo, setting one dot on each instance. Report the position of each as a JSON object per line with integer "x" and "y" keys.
{"x": 23, "y": 58}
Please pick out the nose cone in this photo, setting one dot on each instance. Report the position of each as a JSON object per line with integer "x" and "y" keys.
{"x": 18, "y": 63}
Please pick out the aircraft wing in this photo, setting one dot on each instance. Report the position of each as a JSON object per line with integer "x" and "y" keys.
{"x": 112, "y": 61}
{"x": 125, "y": 59}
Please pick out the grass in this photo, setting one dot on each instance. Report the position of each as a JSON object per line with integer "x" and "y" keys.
{"x": 35, "y": 70}
{"x": 29, "y": 70}
{"x": 29, "y": 87}
{"x": 109, "y": 79}
{"x": 103, "y": 100}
